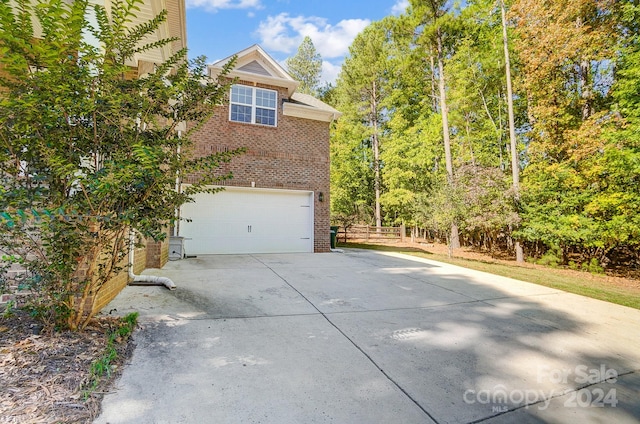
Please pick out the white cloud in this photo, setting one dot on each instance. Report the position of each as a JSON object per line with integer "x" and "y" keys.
{"x": 400, "y": 7}
{"x": 330, "y": 72}
{"x": 284, "y": 33}
{"x": 215, "y": 5}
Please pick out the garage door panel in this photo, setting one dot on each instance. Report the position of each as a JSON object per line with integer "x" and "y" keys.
{"x": 249, "y": 221}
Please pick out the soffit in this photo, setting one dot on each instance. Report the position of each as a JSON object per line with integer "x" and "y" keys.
{"x": 308, "y": 107}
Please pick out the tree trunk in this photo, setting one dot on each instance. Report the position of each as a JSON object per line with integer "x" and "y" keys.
{"x": 455, "y": 238}
{"x": 587, "y": 95}
{"x": 467, "y": 122}
{"x": 376, "y": 157}
{"x": 515, "y": 167}
{"x": 433, "y": 81}
{"x": 585, "y": 81}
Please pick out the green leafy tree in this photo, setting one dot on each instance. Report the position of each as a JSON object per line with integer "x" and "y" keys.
{"x": 477, "y": 89}
{"x": 435, "y": 26}
{"x": 483, "y": 111}
{"x": 360, "y": 91}
{"x": 306, "y": 67}
{"x": 351, "y": 178}
{"x": 571, "y": 127}
{"x": 411, "y": 158}
{"x": 440, "y": 207}
{"x": 87, "y": 154}
{"x": 573, "y": 194}
{"x": 480, "y": 200}
{"x": 487, "y": 198}
{"x": 413, "y": 127}
{"x": 613, "y": 171}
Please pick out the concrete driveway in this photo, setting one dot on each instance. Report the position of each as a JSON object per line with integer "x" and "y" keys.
{"x": 369, "y": 337}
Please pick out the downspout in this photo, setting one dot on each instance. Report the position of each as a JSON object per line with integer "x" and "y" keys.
{"x": 176, "y": 226}
{"x": 144, "y": 280}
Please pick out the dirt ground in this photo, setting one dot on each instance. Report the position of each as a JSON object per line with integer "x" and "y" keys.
{"x": 44, "y": 375}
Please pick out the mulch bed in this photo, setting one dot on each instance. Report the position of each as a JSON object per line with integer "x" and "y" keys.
{"x": 44, "y": 375}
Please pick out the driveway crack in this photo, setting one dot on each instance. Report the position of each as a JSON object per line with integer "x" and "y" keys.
{"x": 366, "y": 355}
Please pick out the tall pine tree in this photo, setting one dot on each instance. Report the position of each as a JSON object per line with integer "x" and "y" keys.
{"x": 306, "y": 67}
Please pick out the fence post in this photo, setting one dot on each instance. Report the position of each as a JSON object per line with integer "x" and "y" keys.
{"x": 403, "y": 232}
{"x": 367, "y": 237}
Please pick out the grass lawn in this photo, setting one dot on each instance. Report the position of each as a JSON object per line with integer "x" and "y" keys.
{"x": 611, "y": 289}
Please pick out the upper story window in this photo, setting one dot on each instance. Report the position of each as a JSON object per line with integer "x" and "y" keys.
{"x": 253, "y": 105}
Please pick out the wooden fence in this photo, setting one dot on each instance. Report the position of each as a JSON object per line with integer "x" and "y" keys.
{"x": 371, "y": 233}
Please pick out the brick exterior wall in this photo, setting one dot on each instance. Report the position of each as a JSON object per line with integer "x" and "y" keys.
{"x": 157, "y": 254}
{"x": 114, "y": 286}
{"x": 294, "y": 155}
{"x": 152, "y": 255}
{"x": 110, "y": 290}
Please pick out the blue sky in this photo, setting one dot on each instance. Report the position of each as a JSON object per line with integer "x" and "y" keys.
{"x": 220, "y": 28}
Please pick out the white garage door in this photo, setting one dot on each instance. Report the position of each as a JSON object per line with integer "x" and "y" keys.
{"x": 253, "y": 220}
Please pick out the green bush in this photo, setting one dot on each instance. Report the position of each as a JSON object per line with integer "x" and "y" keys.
{"x": 551, "y": 258}
{"x": 88, "y": 155}
{"x": 593, "y": 266}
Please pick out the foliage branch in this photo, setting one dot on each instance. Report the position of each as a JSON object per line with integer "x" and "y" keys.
{"x": 89, "y": 151}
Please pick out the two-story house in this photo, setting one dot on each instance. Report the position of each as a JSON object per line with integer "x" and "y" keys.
{"x": 278, "y": 199}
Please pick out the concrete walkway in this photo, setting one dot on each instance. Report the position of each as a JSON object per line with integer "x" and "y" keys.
{"x": 368, "y": 337}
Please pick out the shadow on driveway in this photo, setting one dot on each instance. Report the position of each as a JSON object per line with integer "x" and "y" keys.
{"x": 368, "y": 337}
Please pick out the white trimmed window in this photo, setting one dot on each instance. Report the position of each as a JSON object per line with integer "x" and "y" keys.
{"x": 253, "y": 105}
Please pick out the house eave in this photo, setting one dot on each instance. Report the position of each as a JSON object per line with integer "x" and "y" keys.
{"x": 291, "y": 86}
{"x": 308, "y": 112}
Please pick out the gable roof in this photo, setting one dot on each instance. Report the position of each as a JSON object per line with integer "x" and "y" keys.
{"x": 253, "y": 64}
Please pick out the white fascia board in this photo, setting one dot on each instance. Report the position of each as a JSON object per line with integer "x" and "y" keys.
{"x": 258, "y": 79}
{"x": 308, "y": 112}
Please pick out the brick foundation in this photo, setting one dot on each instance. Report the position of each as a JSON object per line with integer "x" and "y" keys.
{"x": 153, "y": 255}
{"x": 157, "y": 254}
{"x": 114, "y": 286}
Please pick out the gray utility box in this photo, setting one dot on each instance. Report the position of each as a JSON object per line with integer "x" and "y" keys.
{"x": 176, "y": 248}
